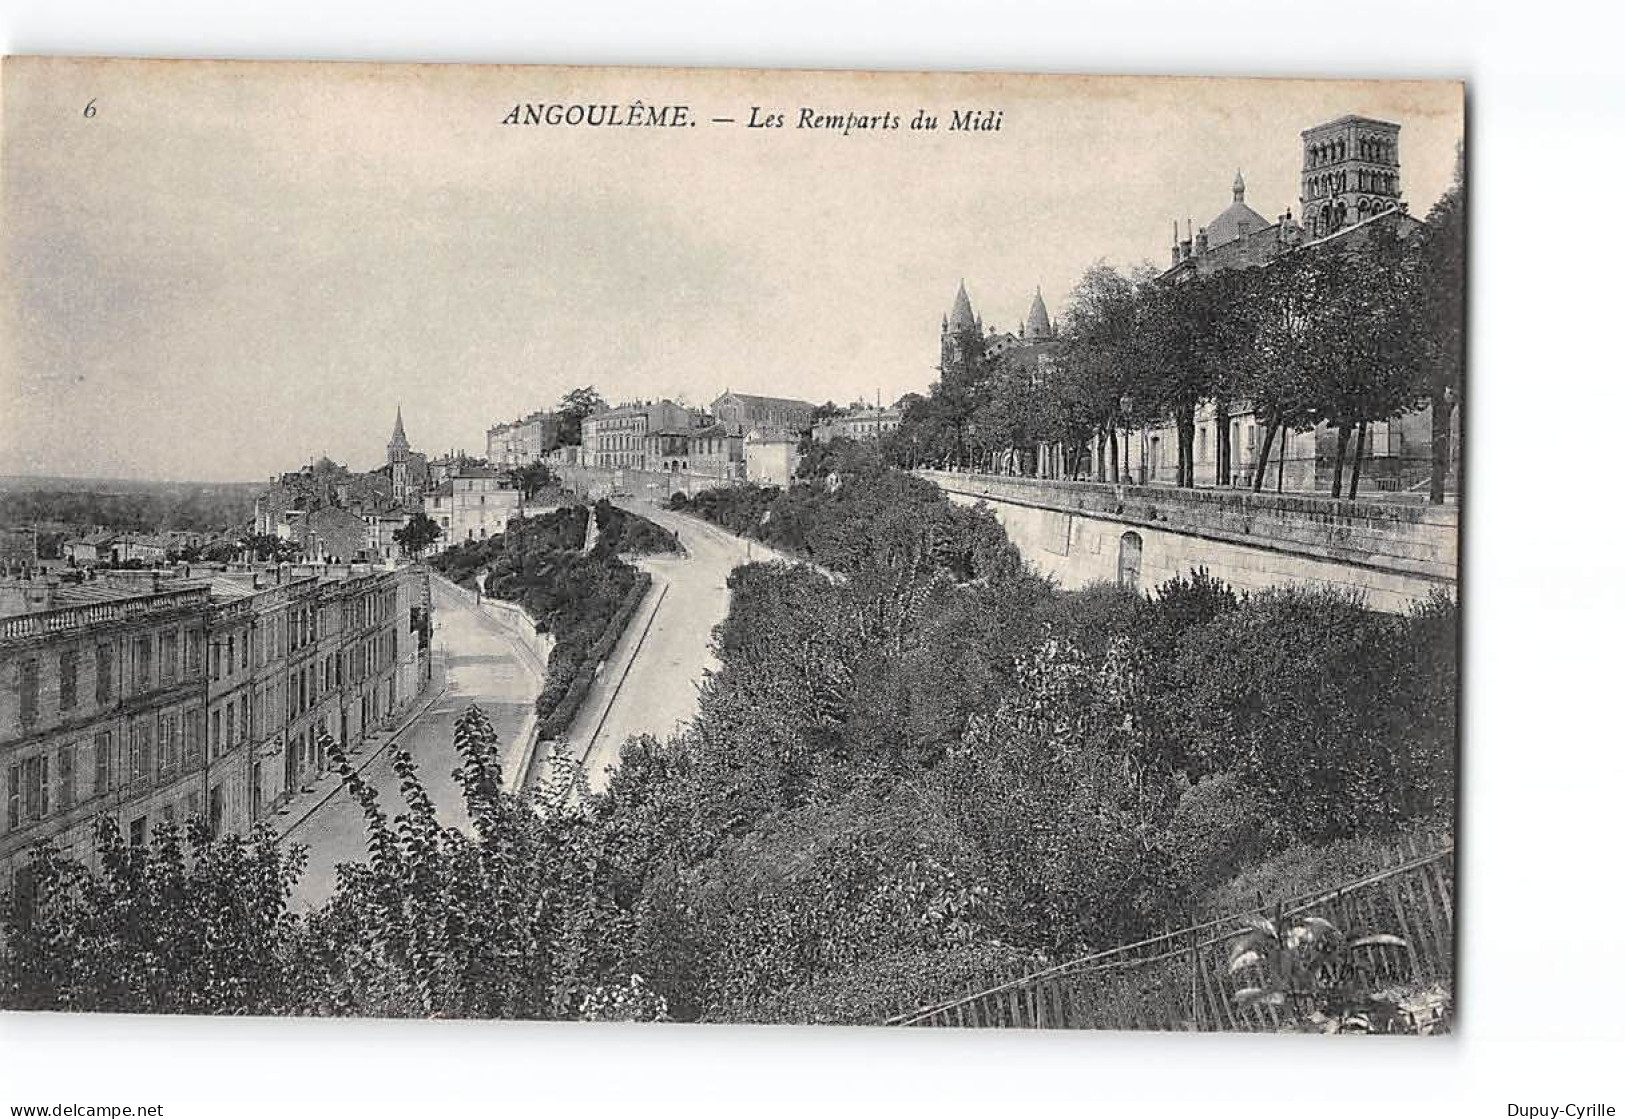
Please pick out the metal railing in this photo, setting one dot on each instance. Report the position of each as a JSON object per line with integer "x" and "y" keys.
{"x": 1180, "y": 980}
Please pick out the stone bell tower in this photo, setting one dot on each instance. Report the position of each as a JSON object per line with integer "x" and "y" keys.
{"x": 1350, "y": 173}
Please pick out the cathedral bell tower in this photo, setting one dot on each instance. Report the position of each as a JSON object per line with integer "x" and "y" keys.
{"x": 962, "y": 342}
{"x": 1350, "y": 173}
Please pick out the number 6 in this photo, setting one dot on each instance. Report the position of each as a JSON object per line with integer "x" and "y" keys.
{"x": 90, "y": 109}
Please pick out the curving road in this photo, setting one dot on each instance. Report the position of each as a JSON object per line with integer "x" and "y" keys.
{"x": 482, "y": 665}
{"x": 650, "y": 683}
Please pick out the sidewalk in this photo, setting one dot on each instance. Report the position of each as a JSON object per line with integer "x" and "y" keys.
{"x": 516, "y": 759}
{"x": 303, "y": 804}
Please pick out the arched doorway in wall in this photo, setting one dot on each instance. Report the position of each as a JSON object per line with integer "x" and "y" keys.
{"x": 1128, "y": 560}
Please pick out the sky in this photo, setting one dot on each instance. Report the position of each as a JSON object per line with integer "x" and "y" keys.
{"x": 232, "y": 268}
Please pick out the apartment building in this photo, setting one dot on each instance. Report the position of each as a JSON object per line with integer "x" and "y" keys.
{"x": 205, "y": 697}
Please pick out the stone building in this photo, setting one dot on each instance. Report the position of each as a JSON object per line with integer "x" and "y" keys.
{"x": 523, "y": 441}
{"x": 160, "y": 698}
{"x": 667, "y": 450}
{"x": 771, "y": 457}
{"x": 101, "y": 703}
{"x": 716, "y": 452}
{"x": 614, "y": 437}
{"x": 969, "y": 353}
{"x": 742, "y": 413}
{"x": 1349, "y": 187}
{"x": 868, "y": 423}
{"x": 473, "y": 504}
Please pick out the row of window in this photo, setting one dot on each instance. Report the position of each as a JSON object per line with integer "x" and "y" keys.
{"x": 69, "y": 693}
{"x": 176, "y": 656}
{"x": 157, "y": 750}
{"x": 1373, "y": 149}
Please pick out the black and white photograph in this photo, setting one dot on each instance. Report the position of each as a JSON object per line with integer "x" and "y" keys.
{"x": 972, "y": 551}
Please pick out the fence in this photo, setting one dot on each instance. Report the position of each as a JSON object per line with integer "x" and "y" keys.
{"x": 1180, "y": 980}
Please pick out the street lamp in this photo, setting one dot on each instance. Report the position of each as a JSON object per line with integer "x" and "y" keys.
{"x": 1125, "y": 405}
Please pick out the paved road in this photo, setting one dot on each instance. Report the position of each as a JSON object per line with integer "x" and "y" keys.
{"x": 482, "y": 666}
{"x": 667, "y": 643}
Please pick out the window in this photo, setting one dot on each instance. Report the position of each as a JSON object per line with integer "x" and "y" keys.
{"x": 1128, "y": 559}
{"x": 138, "y": 832}
{"x": 28, "y": 791}
{"x": 231, "y": 653}
{"x": 192, "y": 744}
{"x": 143, "y": 662}
{"x": 104, "y": 762}
{"x": 167, "y": 754}
{"x": 67, "y": 665}
{"x": 141, "y": 754}
{"x": 104, "y": 673}
{"x": 214, "y": 733}
{"x": 242, "y": 716}
{"x": 168, "y": 657}
{"x": 65, "y": 792}
{"x": 231, "y": 724}
{"x": 28, "y": 692}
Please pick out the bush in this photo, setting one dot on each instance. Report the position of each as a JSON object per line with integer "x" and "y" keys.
{"x": 570, "y": 676}
{"x": 627, "y": 534}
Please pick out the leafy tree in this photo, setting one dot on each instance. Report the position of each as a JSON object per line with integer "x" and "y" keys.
{"x": 189, "y": 923}
{"x": 1358, "y": 347}
{"x": 265, "y": 546}
{"x": 532, "y": 478}
{"x": 1436, "y": 301}
{"x": 576, "y": 405}
{"x": 1275, "y": 339}
{"x": 419, "y": 532}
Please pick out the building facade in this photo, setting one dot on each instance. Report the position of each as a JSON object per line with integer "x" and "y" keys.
{"x": 473, "y": 504}
{"x": 615, "y": 437}
{"x": 101, "y": 714}
{"x": 863, "y": 424}
{"x": 742, "y": 413}
{"x": 523, "y": 441}
{"x": 771, "y": 457}
{"x": 176, "y": 698}
{"x": 716, "y": 452}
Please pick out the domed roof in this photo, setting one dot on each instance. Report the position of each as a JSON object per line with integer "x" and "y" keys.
{"x": 1228, "y": 225}
{"x": 962, "y": 317}
{"x": 1038, "y": 324}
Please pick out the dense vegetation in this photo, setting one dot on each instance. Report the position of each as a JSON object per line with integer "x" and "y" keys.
{"x": 931, "y": 770}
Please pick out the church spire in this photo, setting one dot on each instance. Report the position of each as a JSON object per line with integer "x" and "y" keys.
{"x": 1238, "y": 189}
{"x": 962, "y": 317}
{"x": 397, "y": 442}
{"x": 1038, "y": 324}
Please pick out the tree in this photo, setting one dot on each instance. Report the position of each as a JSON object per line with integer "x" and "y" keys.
{"x": 1275, "y": 345}
{"x": 418, "y": 533}
{"x": 576, "y": 406}
{"x": 532, "y": 478}
{"x": 1101, "y": 354}
{"x": 265, "y": 546}
{"x": 1436, "y": 300}
{"x": 1360, "y": 367}
{"x": 189, "y": 923}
